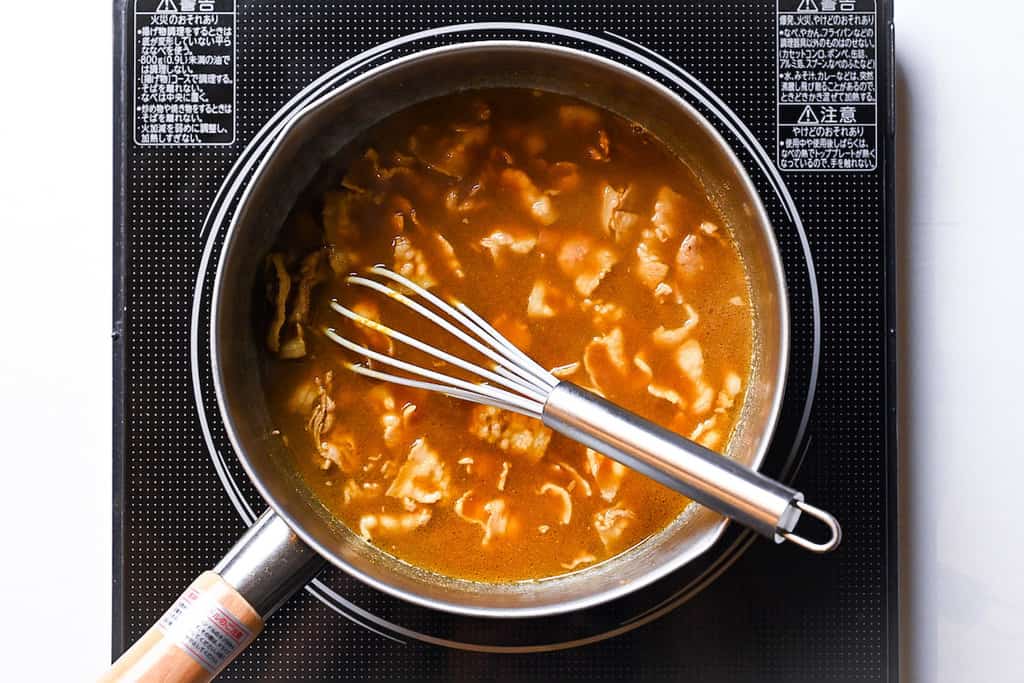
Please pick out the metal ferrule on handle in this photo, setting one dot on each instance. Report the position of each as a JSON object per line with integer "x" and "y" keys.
{"x": 720, "y": 483}
{"x": 269, "y": 563}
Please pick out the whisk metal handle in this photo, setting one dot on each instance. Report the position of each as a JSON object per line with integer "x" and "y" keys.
{"x": 752, "y": 499}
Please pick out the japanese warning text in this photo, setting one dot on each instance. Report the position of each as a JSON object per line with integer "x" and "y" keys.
{"x": 184, "y": 72}
{"x": 827, "y": 85}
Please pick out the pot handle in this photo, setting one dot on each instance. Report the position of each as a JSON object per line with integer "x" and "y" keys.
{"x": 223, "y": 610}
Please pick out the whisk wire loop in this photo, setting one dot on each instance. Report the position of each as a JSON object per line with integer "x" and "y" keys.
{"x": 494, "y": 345}
{"x": 511, "y": 383}
{"x": 441, "y": 382}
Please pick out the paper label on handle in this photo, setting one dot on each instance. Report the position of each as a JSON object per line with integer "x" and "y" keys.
{"x": 206, "y": 631}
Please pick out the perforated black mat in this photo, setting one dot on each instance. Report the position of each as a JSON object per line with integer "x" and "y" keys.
{"x": 800, "y": 89}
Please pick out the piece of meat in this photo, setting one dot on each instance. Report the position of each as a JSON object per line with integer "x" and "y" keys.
{"x": 451, "y": 154}
{"x": 340, "y": 450}
{"x": 582, "y": 557}
{"x": 381, "y": 399}
{"x": 368, "y": 174}
{"x": 448, "y": 257}
{"x": 322, "y": 417}
{"x": 606, "y": 363}
{"x": 663, "y": 292}
{"x": 702, "y": 427}
{"x": 567, "y": 370}
{"x": 605, "y": 315}
{"x": 585, "y": 262}
{"x": 704, "y": 398}
{"x": 412, "y": 262}
{"x": 730, "y": 388}
{"x": 705, "y": 433}
{"x": 422, "y": 478}
{"x": 712, "y": 440}
{"x": 301, "y": 400}
{"x": 294, "y": 346}
{"x": 311, "y": 273}
{"x": 279, "y": 284}
{"x": 563, "y": 501}
{"x": 546, "y": 301}
{"x": 666, "y": 393}
{"x": 650, "y": 269}
{"x": 607, "y": 473}
{"x": 624, "y": 225}
{"x": 669, "y": 213}
{"x": 390, "y": 523}
{"x": 669, "y": 338}
{"x": 615, "y": 219}
{"x": 708, "y": 228}
{"x": 602, "y": 150}
{"x": 610, "y": 524}
{"x": 689, "y": 358}
{"x": 689, "y": 261}
{"x": 291, "y": 297}
{"x": 510, "y": 432}
{"x": 492, "y": 516}
{"x": 401, "y": 215}
{"x": 497, "y": 523}
{"x": 505, "y": 242}
{"x": 388, "y": 469}
{"x": 506, "y": 466}
{"x": 399, "y": 165}
{"x": 611, "y": 200}
{"x": 352, "y": 491}
{"x": 641, "y": 364}
{"x": 578, "y": 478}
{"x": 465, "y": 198}
{"x": 513, "y": 329}
{"x": 578, "y": 117}
{"x": 392, "y": 419}
{"x": 440, "y": 246}
{"x": 374, "y": 339}
{"x": 535, "y": 202}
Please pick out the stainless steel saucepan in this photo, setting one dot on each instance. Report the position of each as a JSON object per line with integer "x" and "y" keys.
{"x": 220, "y": 613}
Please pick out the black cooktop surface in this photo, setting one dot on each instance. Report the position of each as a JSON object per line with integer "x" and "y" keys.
{"x": 801, "y": 91}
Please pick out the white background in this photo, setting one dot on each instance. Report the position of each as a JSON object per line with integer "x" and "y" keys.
{"x": 962, "y": 238}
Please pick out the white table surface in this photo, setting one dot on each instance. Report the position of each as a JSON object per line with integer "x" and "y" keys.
{"x": 961, "y": 193}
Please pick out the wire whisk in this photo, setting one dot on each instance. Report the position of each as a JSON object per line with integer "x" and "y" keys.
{"x": 517, "y": 383}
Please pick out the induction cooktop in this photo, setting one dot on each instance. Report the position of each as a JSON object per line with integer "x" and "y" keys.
{"x": 801, "y": 90}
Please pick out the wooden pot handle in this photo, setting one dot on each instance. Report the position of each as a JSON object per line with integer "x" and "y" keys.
{"x": 201, "y": 633}
{"x": 223, "y": 610}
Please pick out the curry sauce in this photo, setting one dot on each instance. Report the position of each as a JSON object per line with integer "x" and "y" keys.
{"x": 581, "y": 238}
